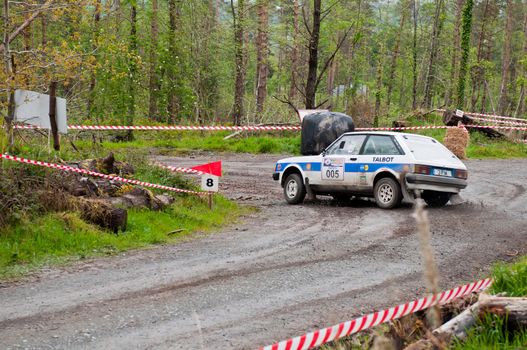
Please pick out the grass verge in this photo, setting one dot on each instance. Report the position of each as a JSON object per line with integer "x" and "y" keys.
{"x": 56, "y": 238}
{"x": 491, "y": 332}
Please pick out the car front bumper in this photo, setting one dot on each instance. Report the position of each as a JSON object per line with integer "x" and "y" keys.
{"x": 276, "y": 176}
{"x": 435, "y": 183}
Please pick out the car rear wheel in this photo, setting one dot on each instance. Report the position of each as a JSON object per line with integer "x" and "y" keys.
{"x": 387, "y": 193}
{"x": 294, "y": 189}
{"x": 436, "y": 199}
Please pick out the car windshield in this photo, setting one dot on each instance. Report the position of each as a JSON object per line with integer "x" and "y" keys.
{"x": 347, "y": 145}
{"x": 424, "y": 148}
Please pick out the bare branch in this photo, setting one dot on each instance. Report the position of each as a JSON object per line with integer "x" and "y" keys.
{"x": 26, "y": 23}
{"x": 286, "y": 101}
{"x": 321, "y": 103}
{"x": 306, "y": 23}
{"x": 326, "y": 12}
{"x": 332, "y": 57}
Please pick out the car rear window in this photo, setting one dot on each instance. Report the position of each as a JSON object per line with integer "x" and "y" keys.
{"x": 424, "y": 148}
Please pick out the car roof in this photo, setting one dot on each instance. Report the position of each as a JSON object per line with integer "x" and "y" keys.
{"x": 393, "y": 133}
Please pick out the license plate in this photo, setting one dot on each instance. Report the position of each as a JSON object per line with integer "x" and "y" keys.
{"x": 442, "y": 172}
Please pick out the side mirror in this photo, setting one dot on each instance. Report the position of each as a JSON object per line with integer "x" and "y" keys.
{"x": 323, "y": 152}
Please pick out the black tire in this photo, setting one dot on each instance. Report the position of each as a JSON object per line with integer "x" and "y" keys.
{"x": 387, "y": 193}
{"x": 436, "y": 199}
{"x": 294, "y": 189}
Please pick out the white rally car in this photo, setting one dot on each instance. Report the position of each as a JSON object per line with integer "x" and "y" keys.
{"x": 385, "y": 165}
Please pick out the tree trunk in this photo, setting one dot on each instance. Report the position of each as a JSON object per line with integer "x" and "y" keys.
{"x": 313, "y": 56}
{"x": 173, "y": 98}
{"x": 503, "y": 105}
{"x": 8, "y": 70}
{"x": 262, "y": 48}
{"x": 395, "y": 54}
{"x": 43, "y": 25}
{"x": 153, "y": 83}
{"x": 95, "y": 37}
{"x": 378, "y": 86}
{"x": 520, "y": 110}
{"x": 414, "y": 57}
{"x": 434, "y": 48}
{"x": 132, "y": 67}
{"x": 27, "y": 32}
{"x": 478, "y": 72}
{"x": 465, "y": 50}
{"x": 294, "y": 51}
{"x": 455, "y": 52}
{"x": 240, "y": 54}
{"x": 332, "y": 73}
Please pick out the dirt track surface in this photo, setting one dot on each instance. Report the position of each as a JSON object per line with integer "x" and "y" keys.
{"x": 278, "y": 273}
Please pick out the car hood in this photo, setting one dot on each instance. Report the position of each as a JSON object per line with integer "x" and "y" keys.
{"x": 301, "y": 159}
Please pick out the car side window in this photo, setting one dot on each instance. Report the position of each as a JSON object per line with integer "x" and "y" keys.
{"x": 347, "y": 145}
{"x": 380, "y": 145}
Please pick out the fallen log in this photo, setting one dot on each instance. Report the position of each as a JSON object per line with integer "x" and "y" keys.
{"x": 458, "y": 326}
{"x": 512, "y": 310}
{"x": 103, "y": 214}
{"x": 451, "y": 119}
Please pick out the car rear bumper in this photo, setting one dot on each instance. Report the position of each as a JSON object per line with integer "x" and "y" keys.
{"x": 276, "y": 176}
{"x": 435, "y": 183}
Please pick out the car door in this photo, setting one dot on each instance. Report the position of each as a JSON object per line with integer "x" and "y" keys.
{"x": 335, "y": 167}
{"x": 379, "y": 152}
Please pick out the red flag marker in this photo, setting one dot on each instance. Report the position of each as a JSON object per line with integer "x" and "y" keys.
{"x": 213, "y": 168}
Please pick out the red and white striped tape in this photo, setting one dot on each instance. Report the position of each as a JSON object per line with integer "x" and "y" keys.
{"x": 493, "y": 116}
{"x": 179, "y": 169}
{"x": 499, "y": 121}
{"x": 326, "y": 335}
{"x": 261, "y": 128}
{"x": 172, "y": 127}
{"x": 502, "y": 127}
{"x": 68, "y": 168}
{"x": 486, "y": 115}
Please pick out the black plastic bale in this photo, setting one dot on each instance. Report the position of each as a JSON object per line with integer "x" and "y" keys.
{"x": 320, "y": 129}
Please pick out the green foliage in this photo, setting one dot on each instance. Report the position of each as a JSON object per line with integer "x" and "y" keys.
{"x": 510, "y": 278}
{"x": 491, "y": 333}
{"x": 177, "y": 143}
{"x": 61, "y": 237}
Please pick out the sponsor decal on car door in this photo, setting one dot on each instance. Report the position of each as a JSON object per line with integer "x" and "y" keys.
{"x": 333, "y": 168}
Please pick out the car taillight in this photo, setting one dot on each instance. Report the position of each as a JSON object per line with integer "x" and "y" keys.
{"x": 461, "y": 174}
{"x": 421, "y": 169}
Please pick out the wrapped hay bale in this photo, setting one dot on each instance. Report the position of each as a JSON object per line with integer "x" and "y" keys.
{"x": 456, "y": 140}
{"x": 320, "y": 129}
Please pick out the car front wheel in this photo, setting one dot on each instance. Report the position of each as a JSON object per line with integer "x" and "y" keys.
{"x": 387, "y": 193}
{"x": 436, "y": 199}
{"x": 294, "y": 189}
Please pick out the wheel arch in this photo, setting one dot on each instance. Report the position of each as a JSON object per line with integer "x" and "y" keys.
{"x": 291, "y": 169}
{"x": 382, "y": 173}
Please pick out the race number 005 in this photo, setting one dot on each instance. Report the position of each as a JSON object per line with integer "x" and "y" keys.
{"x": 333, "y": 173}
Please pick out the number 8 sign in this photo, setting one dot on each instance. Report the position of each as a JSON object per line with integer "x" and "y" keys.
{"x": 209, "y": 183}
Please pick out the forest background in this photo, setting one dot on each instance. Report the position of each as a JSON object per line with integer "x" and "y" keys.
{"x": 244, "y": 62}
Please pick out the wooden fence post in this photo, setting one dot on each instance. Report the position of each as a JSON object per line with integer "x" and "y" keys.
{"x": 53, "y": 115}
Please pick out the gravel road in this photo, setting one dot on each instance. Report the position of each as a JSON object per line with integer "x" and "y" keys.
{"x": 280, "y": 272}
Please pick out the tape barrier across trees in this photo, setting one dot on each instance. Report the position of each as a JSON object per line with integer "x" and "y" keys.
{"x": 326, "y": 335}
{"x": 68, "y": 168}
{"x": 259, "y": 128}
